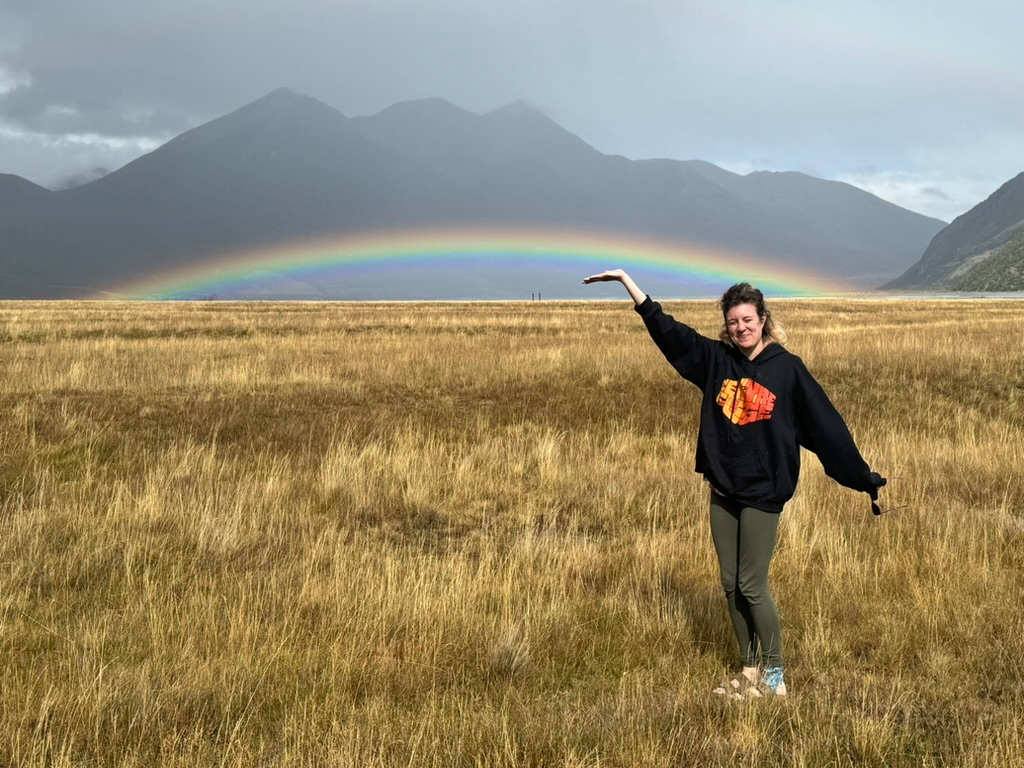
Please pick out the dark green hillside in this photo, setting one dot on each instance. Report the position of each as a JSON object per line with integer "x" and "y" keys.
{"x": 1002, "y": 271}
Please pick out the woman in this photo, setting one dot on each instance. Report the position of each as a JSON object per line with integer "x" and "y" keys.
{"x": 760, "y": 405}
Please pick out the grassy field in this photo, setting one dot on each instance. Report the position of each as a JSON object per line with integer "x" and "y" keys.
{"x": 470, "y": 535}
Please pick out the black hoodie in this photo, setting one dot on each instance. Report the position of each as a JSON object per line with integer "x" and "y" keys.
{"x": 755, "y": 416}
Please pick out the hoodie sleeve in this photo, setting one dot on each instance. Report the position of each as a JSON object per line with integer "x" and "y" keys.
{"x": 687, "y": 351}
{"x": 822, "y": 430}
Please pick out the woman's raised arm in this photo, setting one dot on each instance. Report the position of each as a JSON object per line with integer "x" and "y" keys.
{"x": 618, "y": 275}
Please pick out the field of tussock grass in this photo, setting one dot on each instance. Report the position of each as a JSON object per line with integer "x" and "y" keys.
{"x": 470, "y": 535}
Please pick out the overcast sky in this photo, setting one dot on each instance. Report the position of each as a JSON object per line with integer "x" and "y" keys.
{"x": 917, "y": 101}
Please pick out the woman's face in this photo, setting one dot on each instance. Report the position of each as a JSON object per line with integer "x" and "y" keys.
{"x": 745, "y": 328}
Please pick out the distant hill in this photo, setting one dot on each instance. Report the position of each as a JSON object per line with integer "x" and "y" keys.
{"x": 1003, "y": 270}
{"x": 289, "y": 168}
{"x": 979, "y": 251}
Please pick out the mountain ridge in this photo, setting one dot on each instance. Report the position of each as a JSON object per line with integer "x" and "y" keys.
{"x": 288, "y": 167}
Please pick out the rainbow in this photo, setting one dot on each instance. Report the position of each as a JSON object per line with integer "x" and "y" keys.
{"x": 570, "y": 256}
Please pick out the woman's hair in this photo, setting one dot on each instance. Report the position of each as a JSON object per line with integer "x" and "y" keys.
{"x": 745, "y": 293}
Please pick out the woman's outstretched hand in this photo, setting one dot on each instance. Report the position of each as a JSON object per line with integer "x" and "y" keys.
{"x": 607, "y": 276}
{"x": 620, "y": 276}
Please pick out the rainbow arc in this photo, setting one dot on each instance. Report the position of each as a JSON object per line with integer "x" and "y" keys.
{"x": 352, "y": 258}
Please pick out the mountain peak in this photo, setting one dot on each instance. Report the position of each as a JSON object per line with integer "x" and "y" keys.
{"x": 282, "y": 106}
{"x": 282, "y": 100}
{"x": 519, "y": 109}
{"x": 521, "y": 104}
{"x": 274, "y": 120}
{"x": 421, "y": 109}
{"x": 282, "y": 95}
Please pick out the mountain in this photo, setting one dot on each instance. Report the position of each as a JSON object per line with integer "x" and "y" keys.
{"x": 463, "y": 144}
{"x": 979, "y": 250}
{"x": 288, "y": 168}
{"x": 283, "y": 168}
{"x": 824, "y": 226}
{"x": 856, "y": 228}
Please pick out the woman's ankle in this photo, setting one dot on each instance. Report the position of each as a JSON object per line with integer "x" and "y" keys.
{"x": 773, "y": 678}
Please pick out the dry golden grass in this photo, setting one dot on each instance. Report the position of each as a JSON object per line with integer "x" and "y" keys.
{"x": 469, "y": 534}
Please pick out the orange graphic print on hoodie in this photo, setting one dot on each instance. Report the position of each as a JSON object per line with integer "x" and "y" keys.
{"x": 745, "y": 401}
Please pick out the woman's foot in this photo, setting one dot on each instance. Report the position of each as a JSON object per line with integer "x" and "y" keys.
{"x": 742, "y": 684}
{"x": 771, "y": 683}
{"x": 750, "y": 684}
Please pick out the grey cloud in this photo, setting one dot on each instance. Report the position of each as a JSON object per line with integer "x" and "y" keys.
{"x": 80, "y": 178}
{"x": 831, "y": 87}
{"x": 935, "y": 193}
{"x": 40, "y": 110}
{"x": 197, "y": 61}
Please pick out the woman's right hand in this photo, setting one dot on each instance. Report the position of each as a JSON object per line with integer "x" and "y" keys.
{"x": 619, "y": 276}
{"x": 607, "y": 276}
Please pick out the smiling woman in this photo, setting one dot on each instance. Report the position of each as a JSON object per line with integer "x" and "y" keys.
{"x": 760, "y": 406}
{"x": 748, "y": 322}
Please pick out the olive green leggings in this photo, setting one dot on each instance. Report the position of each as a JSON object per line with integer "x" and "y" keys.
{"x": 745, "y": 540}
